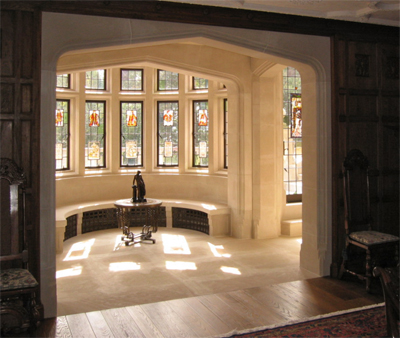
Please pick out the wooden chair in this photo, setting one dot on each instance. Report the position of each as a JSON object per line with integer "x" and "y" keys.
{"x": 19, "y": 309}
{"x": 390, "y": 285}
{"x": 364, "y": 248}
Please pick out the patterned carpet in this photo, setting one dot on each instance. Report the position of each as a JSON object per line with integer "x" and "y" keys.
{"x": 363, "y": 322}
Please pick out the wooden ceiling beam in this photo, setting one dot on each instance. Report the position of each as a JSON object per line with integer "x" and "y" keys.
{"x": 211, "y": 16}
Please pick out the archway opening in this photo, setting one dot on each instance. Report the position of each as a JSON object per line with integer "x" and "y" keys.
{"x": 240, "y": 190}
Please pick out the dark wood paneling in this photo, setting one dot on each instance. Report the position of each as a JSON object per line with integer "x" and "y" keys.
{"x": 20, "y": 111}
{"x": 7, "y": 98}
{"x": 7, "y": 43}
{"x": 366, "y": 117}
{"x": 6, "y": 138}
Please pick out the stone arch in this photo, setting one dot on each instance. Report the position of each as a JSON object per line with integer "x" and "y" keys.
{"x": 281, "y": 48}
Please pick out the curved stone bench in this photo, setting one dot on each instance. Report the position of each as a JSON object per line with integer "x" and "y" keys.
{"x": 218, "y": 215}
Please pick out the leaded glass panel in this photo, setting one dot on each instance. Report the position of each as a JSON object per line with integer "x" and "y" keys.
{"x": 131, "y": 134}
{"x": 200, "y": 133}
{"x": 96, "y": 79}
{"x": 200, "y": 83}
{"x": 292, "y": 134}
{"x": 95, "y": 133}
{"x": 62, "y": 134}
{"x": 168, "y": 133}
{"x": 132, "y": 79}
{"x": 167, "y": 80}
{"x": 63, "y": 81}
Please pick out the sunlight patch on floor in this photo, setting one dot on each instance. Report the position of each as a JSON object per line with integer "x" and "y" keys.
{"x": 79, "y": 250}
{"x": 75, "y": 271}
{"x": 180, "y": 265}
{"x": 233, "y": 271}
{"x": 123, "y": 266}
{"x": 175, "y": 244}
{"x": 214, "y": 249}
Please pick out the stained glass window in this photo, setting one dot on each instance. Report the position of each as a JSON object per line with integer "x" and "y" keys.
{"x": 96, "y": 79}
{"x": 292, "y": 133}
{"x": 200, "y": 83}
{"x": 131, "y": 134}
{"x": 132, "y": 79}
{"x": 62, "y": 134}
{"x": 95, "y": 134}
{"x": 167, "y": 80}
{"x": 226, "y": 133}
{"x": 200, "y": 133}
{"x": 168, "y": 133}
{"x": 63, "y": 81}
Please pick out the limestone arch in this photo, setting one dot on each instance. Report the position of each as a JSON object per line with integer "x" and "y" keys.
{"x": 315, "y": 255}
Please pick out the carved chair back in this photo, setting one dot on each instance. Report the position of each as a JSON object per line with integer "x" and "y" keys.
{"x": 12, "y": 187}
{"x": 356, "y": 192}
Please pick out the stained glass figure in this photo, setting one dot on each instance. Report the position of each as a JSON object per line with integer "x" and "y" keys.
{"x": 203, "y": 117}
{"x": 168, "y": 117}
{"x": 94, "y": 151}
{"x": 131, "y": 118}
{"x": 131, "y": 149}
{"x": 94, "y": 118}
{"x": 296, "y": 115}
{"x": 59, "y": 117}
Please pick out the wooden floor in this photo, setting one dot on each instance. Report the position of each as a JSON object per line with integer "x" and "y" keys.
{"x": 217, "y": 314}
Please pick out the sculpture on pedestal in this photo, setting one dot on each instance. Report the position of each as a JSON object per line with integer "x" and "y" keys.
{"x": 139, "y": 189}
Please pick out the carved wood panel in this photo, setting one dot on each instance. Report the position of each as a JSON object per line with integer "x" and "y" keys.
{"x": 19, "y": 111}
{"x": 366, "y": 117}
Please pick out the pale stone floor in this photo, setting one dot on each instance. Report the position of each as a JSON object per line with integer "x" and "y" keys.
{"x": 96, "y": 271}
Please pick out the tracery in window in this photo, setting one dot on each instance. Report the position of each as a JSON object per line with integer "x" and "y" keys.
{"x": 292, "y": 134}
{"x": 96, "y": 79}
{"x": 131, "y": 134}
{"x": 200, "y": 133}
{"x": 95, "y": 133}
{"x": 132, "y": 79}
{"x": 62, "y": 122}
{"x": 167, "y": 133}
{"x": 167, "y": 80}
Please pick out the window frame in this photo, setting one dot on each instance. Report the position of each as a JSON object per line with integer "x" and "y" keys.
{"x": 68, "y": 81}
{"x": 287, "y": 94}
{"x": 158, "y": 135}
{"x": 194, "y": 118}
{"x": 68, "y": 101}
{"x": 166, "y": 89}
{"x": 104, "y": 165}
{"x": 141, "y": 82}
{"x": 194, "y": 83}
{"x": 141, "y": 136}
{"x": 225, "y": 109}
{"x": 105, "y": 80}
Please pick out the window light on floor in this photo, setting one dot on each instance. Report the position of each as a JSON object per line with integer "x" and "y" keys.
{"x": 79, "y": 250}
{"x": 175, "y": 244}
{"x": 180, "y": 265}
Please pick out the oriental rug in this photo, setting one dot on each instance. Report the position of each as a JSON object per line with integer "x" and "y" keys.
{"x": 361, "y": 322}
